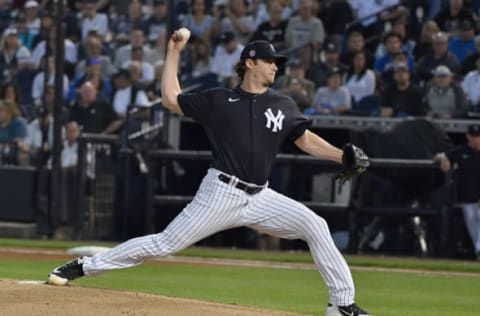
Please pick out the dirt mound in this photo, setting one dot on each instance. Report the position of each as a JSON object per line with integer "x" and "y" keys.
{"x": 21, "y": 299}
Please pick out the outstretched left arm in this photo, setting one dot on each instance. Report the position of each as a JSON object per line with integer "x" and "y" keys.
{"x": 354, "y": 161}
{"x": 316, "y": 146}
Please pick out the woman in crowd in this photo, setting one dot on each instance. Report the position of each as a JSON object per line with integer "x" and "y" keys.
{"x": 360, "y": 81}
{"x": 424, "y": 44}
{"x": 198, "y": 21}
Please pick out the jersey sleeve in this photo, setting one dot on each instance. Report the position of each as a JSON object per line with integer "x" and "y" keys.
{"x": 196, "y": 105}
{"x": 300, "y": 123}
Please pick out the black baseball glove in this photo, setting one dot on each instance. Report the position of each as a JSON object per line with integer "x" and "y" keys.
{"x": 354, "y": 162}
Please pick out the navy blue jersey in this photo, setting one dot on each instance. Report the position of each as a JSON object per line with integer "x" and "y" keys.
{"x": 245, "y": 130}
{"x": 468, "y": 173}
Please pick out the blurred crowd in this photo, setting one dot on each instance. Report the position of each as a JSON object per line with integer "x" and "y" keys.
{"x": 386, "y": 58}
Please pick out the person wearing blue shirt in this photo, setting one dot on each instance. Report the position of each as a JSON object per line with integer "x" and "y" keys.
{"x": 393, "y": 44}
{"x": 13, "y": 131}
{"x": 463, "y": 45}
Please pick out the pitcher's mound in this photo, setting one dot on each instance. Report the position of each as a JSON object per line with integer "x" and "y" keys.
{"x": 33, "y": 298}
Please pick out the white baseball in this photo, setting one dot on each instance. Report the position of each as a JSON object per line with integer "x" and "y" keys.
{"x": 181, "y": 34}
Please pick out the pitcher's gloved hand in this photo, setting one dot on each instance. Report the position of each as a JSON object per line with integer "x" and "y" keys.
{"x": 354, "y": 162}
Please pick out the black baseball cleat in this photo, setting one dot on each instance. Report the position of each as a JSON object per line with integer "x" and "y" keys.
{"x": 69, "y": 271}
{"x": 350, "y": 310}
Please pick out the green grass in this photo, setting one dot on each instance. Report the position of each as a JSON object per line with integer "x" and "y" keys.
{"x": 383, "y": 293}
{"x": 298, "y": 257}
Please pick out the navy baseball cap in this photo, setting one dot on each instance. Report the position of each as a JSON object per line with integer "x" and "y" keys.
{"x": 262, "y": 50}
{"x": 474, "y": 129}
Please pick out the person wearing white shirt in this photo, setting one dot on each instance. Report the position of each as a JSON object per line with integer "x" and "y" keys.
{"x": 39, "y": 81}
{"x": 31, "y": 15}
{"x": 126, "y": 94}
{"x": 137, "y": 38}
{"x": 71, "y": 54}
{"x": 70, "y": 145}
{"x": 35, "y": 139}
{"x": 360, "y": 81}
{"x": 147, "y": 70}
{"x": 471, "y": 87}
{"x": 226, "y": 56}
{"x": 93, "y": 21}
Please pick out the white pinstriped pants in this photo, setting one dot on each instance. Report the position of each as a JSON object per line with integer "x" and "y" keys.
{"x": 471, "y": 214}
{"x": 218, "y": 206}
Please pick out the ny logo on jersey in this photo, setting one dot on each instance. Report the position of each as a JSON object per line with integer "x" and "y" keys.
{"x": 274, "y": 121}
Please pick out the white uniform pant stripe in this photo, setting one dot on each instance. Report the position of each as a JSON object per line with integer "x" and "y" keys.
{"x": 212, "y": 210}
{"x": 471, "y": 214}
{"x": 273, "y": 211}
{"x": 218, "y": 206}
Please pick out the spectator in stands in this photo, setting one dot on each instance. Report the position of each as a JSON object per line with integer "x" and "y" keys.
{"x": 273, "y": 30}
{"x": 40, "y": 131}
{"x": 305, "y": 31}
{"x": 41, "y": 79}
{"x": 296, "y": 76}
{"x": 32, "y": 16}
{"x": 47, "y": 22}
{"x": 372, "y": 14}
{"x": 126, "y": 93}
{"x": 14, "y": 56}
{"x": 93, "y": 49}
{"x": 399, "y": 26}
{"x": 71, "y": 54}
{"x": 154, "y": 89}
{"x": 200, "y": 58}
{"x": 463, "y": 44}
{"x": 5, "y": 14}
{"x": 93, "y": 115}
{"x": 337, "y": 15}
{"x": 92, "y": 20}
{"x": 94, "y": 73}
{"x": 387, "y": 76}
{"x": 444, "y": 97}
{"x": 471, "y": 87}
{"x": 69, "y": 157}
{"x": 448, "y": 19}
{"x": 318, "y": 72}
{"x": 9, "y": 92}
{"x": 356, "y": 43}
{"x": 123, "y": 54}
{"x": 233, "y": 16}
{"x": 72, "y": 23}
{"x": 439, "y": 56}
{"x": 13, "y": 130}
{"x": 24, "y": 34}
{"x": 424, "y": 44}
{"x": 334, "y": 98}
{"x": 393, "y": 46}
{"x": 157, "y": 23}
{"x": 146, "y": 69}
{"x": 402, "y": 98}
{"x": 465, "y": 160}
{"x": 225, "y": 57}
{"x": 122, "y": 25}
{"x": 198, "y": 21}
{"x": 135, "y": 69}
{"x": 470, "y": 62}
{"x": 360, "y": 81}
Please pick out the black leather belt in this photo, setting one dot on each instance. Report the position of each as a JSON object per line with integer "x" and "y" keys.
{"x": 249, "y": 189}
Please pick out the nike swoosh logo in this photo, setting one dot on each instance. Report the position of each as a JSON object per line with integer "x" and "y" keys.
{"x": 233, "y": 100}
{"x": 345, "y": 313}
